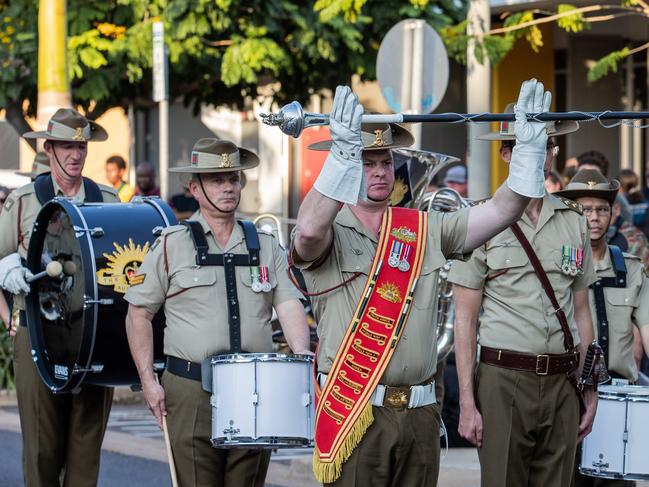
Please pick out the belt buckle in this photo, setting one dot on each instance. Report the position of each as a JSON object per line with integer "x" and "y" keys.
{"x": 396, "y": 397}
{"x": 547, "y": 364}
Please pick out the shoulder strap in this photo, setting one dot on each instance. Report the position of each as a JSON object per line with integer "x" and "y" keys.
{"x": 547, "y": 287}
{"x": 45, "y": 189}
{"x": 252, "y": 240}
{"x": 93, "y": 193}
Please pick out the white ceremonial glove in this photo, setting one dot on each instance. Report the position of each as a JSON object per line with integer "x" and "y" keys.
{"x": 341, "y": 178}
{"x": 528, "y": 157}
{"x": 13, "y": 275}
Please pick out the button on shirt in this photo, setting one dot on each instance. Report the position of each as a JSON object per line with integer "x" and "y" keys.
{"x": 352, "y": 250}
{"x": 624, "y": 308}
{"x": 194, "y": 297}
{"x": 517, "y": 314}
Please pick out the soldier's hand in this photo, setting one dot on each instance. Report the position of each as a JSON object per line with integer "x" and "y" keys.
{"x": 526, "y": 176}
{"x": 470, "y": 425}
{"x": 341, "y": 177}
{"x": 13, "y": 276}
{"x": 586, "y": 422}
{"x": 154, "y": 395}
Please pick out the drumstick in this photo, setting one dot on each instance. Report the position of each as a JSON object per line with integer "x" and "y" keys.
{"x": 170, "y": 455}
{"x": 53, "y": 269}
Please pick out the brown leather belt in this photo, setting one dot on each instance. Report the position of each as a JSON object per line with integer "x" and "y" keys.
{"x": 544, "y": 364}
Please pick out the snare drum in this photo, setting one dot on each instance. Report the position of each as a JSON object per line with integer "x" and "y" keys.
{"x": 262, "y": 401}
{"x": 618, "y": 445}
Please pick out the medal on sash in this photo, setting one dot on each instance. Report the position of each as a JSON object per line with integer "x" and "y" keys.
{"x": 395, "y": 254}
{"x": 404, "y": 263}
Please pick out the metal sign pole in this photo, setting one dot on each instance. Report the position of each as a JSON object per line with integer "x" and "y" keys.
{"x": 161, "y": 95}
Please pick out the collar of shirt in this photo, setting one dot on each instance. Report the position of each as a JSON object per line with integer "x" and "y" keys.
{"x": 236, "y": 237}
{"x": 550, "y": 205}
{"x": 81, "y": 194}
{"x": 604, "y": 265}
{"x": 346, "y": 218}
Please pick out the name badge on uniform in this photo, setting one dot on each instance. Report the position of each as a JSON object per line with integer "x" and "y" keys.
{"x": 572, "y": 259}
{"x": 259, "y": 279}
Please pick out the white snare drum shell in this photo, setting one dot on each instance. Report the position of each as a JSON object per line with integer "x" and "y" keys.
{"x": 602, "y": 453}
{"x": 637, "y": 448}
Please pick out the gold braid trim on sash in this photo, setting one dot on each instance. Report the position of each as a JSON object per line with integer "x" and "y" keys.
{"x": 328, "y": 472}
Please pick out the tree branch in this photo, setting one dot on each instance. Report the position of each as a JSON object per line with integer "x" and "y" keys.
{"x": 551, "y": 18}
{"x": 15, "y": 116}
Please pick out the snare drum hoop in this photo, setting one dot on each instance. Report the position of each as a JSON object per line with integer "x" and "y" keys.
{"x": 262, "y": 443}
{"x": 231, "y": 358}
{"x": 90, "y": 290}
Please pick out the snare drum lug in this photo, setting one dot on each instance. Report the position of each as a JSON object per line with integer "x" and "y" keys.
{"x": 94, "y": 369}
{"x": 255, "y": 399}
{"x": 157, "y": 231}
{"x": 306, "y": 400}
{"x": 625, "y": 436}
{"x": 87, "y": 302}
{"x": 94, "y": 232}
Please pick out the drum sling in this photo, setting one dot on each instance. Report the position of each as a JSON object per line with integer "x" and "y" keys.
{"x": 344, "y": 410}
{"x": 229, "y": 262}
{"x": 600, "y": 302}
{"x": 44, "y": 187}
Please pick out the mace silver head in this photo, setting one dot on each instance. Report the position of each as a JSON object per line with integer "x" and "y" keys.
{"x": 292, "y": 119}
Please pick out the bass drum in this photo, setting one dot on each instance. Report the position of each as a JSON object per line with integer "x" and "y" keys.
{"x": 76, "y": 320}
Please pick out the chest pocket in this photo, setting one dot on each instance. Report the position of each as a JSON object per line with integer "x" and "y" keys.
{"x": 427, "y": 290}
{"x": 351, "y": 262}
{"x": 506, "y": 257}
{"x": 191, "y": 280}
{"x": 621, "y": 297}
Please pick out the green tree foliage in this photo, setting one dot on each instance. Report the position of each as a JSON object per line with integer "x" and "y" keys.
{"x": 220, "y": 51}
{"x": 524, "y": 25}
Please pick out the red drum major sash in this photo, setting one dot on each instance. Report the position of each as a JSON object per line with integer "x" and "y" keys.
{"x": 344, "y": 411}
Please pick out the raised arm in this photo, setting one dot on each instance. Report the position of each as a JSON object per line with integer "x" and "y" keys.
{"x": 526, "y": 171}
{"x": 340, "y": 181}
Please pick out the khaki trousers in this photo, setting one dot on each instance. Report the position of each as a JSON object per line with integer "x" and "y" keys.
{"x": 530, "y": 426}
{"x": 400, "y": 449}
{"x": 198, "y": 464}
{"x": 62, "y": 433}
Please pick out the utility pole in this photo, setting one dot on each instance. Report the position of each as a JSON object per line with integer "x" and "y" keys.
{"x": 478, "y": 100}
{"x": 161, "y": 95}
{"x": 53, "y": 84}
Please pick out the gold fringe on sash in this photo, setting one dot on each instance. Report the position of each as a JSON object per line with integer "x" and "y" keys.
{"x": 328, "y": 472}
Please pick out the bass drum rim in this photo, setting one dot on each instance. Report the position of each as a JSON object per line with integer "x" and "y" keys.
{"x": 34, "y": 324}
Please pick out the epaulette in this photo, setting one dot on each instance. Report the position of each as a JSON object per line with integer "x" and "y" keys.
{"x": 479, "y": 202}
{"x": 173, "y": 229}
{"x": 630, "y": 256}
{"x": 17, "y": 194}
{"x": 107, "y": 189}
{"x": 572, "y": 205}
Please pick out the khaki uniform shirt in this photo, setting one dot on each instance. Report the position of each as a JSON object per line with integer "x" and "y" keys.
{"x": 20, "y": 212}
{"x": 624, "y": 308}
{"x": 352, "y": 250}
{"x": 517, "y": 314}
{"x": 194, "y": 297}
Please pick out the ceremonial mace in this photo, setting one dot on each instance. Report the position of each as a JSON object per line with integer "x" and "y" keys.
{"x": 292, "y": 119}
